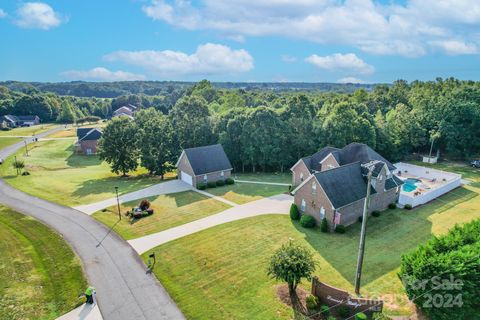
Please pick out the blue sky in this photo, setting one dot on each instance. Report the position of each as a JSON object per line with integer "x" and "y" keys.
{"x": 239, "y": 40}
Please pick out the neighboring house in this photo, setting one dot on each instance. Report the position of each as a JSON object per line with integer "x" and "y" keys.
{"x": 128, "y": 111}
{"x": 27, "y": 121}
{"x": 333, "y": 183}
{"x": 20, "y": 121}
{"x": 87, "y": 140}
{"x": 203, "y": 164}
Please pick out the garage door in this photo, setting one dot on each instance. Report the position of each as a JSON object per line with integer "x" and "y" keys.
{"x": 186, "y": 177}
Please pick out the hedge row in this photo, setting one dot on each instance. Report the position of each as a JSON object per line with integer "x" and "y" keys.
{"x": 214, "y": 184}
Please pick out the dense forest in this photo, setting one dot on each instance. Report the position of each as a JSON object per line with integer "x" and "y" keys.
{"x": 270, "y": 130}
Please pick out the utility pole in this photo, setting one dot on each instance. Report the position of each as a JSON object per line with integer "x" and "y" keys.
{"x": 118, "y": 204}
{"x": 26, "y": 149}
{"x": 361, "y": 248}
{"x": 431, "y": 149}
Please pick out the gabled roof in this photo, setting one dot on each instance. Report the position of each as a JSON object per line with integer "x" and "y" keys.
{"x": 207, "y": 159}
{"x": 125, "y": 109}
{"x": 344, "y": 185}
{"x": 393, "y": 182}
{"x": 361, "y": 152}
{"x": 10, "y": 118}
{"x": 313, "y": 162}
{"x": 88, "y": 134}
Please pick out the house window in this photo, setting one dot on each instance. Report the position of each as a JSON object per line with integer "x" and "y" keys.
{"x": 222, "y": 174}
{"x": 314, "y": 188}
{"x": 322, "y": 213}
{"x": 301, "y": 176}
{"x": 330, "y": 166}
{"x": 89, "y": 151}
{"x": 205, "y": 178}
{"x": 303, "y": 206}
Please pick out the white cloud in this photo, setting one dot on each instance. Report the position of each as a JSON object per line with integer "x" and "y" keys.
{"x": 37, "y": 15}
{"x": 341, "y": 62}
{"x": 456, "y": 47}
{"x": 3, "y": 14}
{"x": 350, "y": 80}
{"x": 288, "y": 59}
{"x": 102, "y": 74}
{"x": 405, "y": 28}
{"x": 208, "y": 59}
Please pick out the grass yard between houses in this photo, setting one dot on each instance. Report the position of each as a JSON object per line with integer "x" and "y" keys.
{"x": 220, "y": 273}
{"x": 40, "y": 276}
{"x": 71, "y": 131}
{"x": 170, "y": 210}
{"x": 241, "y": 193}
{"x": 8, "y": 141}
{"x": 28, "y": 131}
{"x": 276, "y": 177}
{"x": 59, "y": 175}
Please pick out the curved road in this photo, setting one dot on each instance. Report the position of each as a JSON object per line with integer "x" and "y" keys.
{"x": 124, "y": 290}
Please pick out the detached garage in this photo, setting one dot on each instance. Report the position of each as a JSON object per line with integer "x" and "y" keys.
{"x": 203, "y": 164}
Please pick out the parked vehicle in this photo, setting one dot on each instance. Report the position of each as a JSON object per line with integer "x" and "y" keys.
{"x": 475, "y": 163}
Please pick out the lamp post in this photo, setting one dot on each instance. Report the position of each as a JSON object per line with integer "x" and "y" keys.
{"x": 361, "y": 248}
{"x": 26, "y": 149}
{"x": 118, "y": 204}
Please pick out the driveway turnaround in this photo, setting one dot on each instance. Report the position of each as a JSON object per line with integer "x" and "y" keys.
{"x": 124, "y": 290}
{"x": 277, "y": 204}
{"x": 166, "y": 187}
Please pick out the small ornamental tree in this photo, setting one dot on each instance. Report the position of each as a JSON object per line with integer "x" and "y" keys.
{"x": 324, "y": 225}
{"x": 294, "y": 214}
{"x": 442, "y": 277}
{"x": 291, "y": 263}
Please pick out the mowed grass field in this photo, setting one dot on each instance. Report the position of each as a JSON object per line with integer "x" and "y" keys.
{"x": 220, "y": 273}
{"x": 28, "y": 131}
{"x": 169, "y": 211}
{"x": 71, "y": 131}
{"x": 40, "y": 276}
{"x": 275, "y": 177}
{"x": 59, "y": 175}
{"x": 8, "y": 141}
{"x": 241, "y": 193}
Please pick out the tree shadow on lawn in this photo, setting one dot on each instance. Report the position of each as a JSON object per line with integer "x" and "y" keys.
{"x": 248, "y": 189}
{"x": 80, "y": 160}
{"x": 124, "y": 184}
{"x": 389, "y": 236}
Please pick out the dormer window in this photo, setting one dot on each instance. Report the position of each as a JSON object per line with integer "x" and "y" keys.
{"x": 314, "y": 188}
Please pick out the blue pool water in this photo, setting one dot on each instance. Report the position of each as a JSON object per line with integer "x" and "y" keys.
{"x": 409, "y": 184}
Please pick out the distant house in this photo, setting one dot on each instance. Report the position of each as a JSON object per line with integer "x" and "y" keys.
{"x": 332, "y": 183}
{"x": 203, "y": 164}
{"x": 20, "y": 121}
{"x": 128, "y": 111}
{"x": 87, "y": 140}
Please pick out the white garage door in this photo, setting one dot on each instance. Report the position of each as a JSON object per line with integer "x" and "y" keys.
{"x": 186, "y": 177}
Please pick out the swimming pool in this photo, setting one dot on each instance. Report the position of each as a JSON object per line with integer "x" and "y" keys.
{"x": 409, "y": 184}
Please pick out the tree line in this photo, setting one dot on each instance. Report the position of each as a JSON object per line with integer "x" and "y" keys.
{"x": 270, "y": 131}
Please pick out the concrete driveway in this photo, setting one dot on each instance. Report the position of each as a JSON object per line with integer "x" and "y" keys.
{"x": 166, "y": 187}
{"x": 279, "y": 204}
{"x": 124, "y": 290}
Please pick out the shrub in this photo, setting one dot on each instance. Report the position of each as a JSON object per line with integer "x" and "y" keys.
{"x": 220, "y": 183}
{"x": 331, "y": 318}
{"x": 6, "y": 129}
{"x": 360, "y": 219}
{"x": 144, "y": 204}
{"x": 229, "y": 181}
{"x": 294, "y": 214}
{"x": 201, "y": 186}
{"x": 340, "y": 228}
{"x": 343, "y": 312}
{"x": 290, "y": 188}
{"x": 376, "y": 213}
{"x": 360, "y": 316}
{"x": 307, "y": 221}
{"x": 325, "y": 310}
{"x": 392, "y": 205}
{"x": 408, "y": 207}
{"x": 25, "y": 173}
{"x": 211, "y": 184}
{"x": 324, "y": 225}
{"x": 312, "y": 302}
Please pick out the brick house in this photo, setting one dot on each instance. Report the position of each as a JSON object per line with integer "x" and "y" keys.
{"x": 333, "y": 183}
{"x": 12, "y": 121}
{"x": 87, "y": 140}
{"x": 203, "y": 164}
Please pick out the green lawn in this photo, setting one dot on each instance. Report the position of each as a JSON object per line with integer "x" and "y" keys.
{"x": 40, "y": 276}
{"x": 8, "y": 141}
{"x": 220, "y": 273}
{"x": 28, "y": 131}
{"x": 277, "y": 177}
{"x": 169, "y": 211}
{"x": 241, "y": 193}
{"x": 71, "y": 131}
{"x": 58, "y": 175}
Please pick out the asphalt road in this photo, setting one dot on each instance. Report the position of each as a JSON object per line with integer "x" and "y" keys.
{"x": 124, "y": 290}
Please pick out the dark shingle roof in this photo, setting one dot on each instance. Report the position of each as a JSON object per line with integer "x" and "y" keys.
{"x": 87, "y": 134}
{"x": 360, "y": 152}
{"x": 313, "y": 162}
{"x": 208, "y": 159}
{"x": 393, "y": 182}
{"x": 344, "y": 185}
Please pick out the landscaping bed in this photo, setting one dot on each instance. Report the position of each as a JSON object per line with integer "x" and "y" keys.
{"x": 40, "y": 276}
